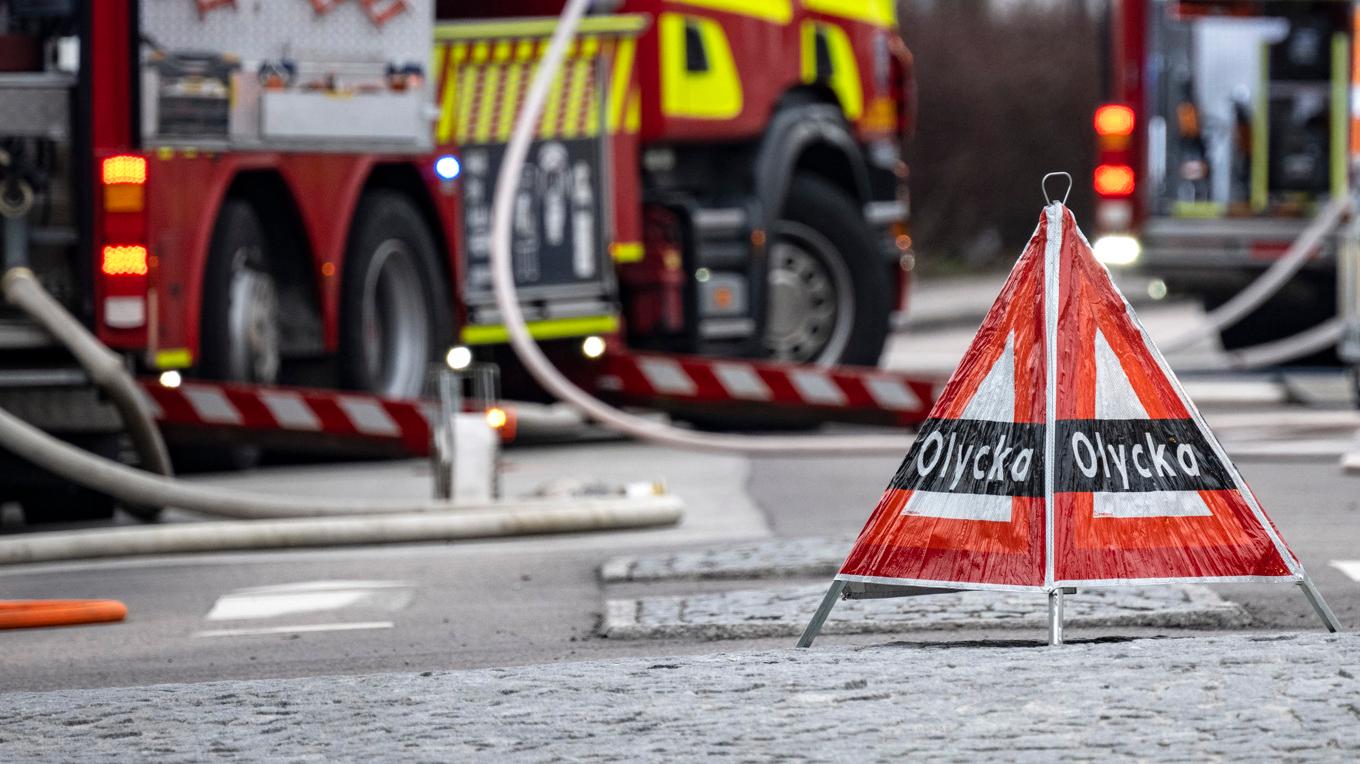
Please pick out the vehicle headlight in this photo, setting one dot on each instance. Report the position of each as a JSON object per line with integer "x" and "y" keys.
{"x": 1117, "y": 250}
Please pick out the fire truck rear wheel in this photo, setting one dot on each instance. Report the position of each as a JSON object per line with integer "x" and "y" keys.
{"x": 240, "y": 323}
{"x": 395, "y": 311}
{"x": 1304, "y": 302}
{"x": 54, "y": 500}
{"x": 828, "y": 300}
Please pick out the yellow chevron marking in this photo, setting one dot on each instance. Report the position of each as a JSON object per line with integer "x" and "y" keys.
{"x": 619, "y": 81}
{"x": 634, "y": 121}
{"x": 547, "y": 127}
{"x": 491, "y": 87}
{"x": 455, "y": 56}
{"x": 514, "y": 73}
{"x": 467, "y": 93}
{"x": 437, "y": 63}
{"x": 580, "y": 71}
{"x": 880, "y": 13}
{"x": 777, "y": 11}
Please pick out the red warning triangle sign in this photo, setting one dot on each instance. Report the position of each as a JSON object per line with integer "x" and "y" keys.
{"x": 1063, "y": 452}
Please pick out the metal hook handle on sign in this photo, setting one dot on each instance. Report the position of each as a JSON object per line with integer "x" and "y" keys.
{"x": 1043, "y": 185}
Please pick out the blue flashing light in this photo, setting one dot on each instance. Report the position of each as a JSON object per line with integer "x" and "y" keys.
{"x": 448, "y": 167}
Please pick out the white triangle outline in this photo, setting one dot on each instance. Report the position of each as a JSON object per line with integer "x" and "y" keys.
{"x": 1115, "y": 396}
{"x": 993, "y": 401}
{"x": 994, "y": 398}
{"x": 1054, "y": 214}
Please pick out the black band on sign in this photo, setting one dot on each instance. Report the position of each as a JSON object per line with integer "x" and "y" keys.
{"x": 1136, "y": 455}
{"x": 974, "y": 456}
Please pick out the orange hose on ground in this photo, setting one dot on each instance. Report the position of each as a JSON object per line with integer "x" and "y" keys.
{"x": 31, "y": 614}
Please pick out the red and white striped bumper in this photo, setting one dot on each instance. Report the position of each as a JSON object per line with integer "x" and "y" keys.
{"x": 844, "y": 393}
{"x": 353, "y": 421}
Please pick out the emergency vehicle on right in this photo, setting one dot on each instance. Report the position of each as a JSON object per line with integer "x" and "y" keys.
{"x": 1226, "y": 128}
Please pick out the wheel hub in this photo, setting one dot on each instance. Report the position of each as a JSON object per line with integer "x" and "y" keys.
{"x": 395, "y": 322}
{"x": 805, "y": 304}
{"x": 254, "y": 323}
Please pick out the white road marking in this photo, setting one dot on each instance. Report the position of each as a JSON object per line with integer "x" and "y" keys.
{"x": 298, "y": 629}
{"x": 309, "y": 597}
{"x": 1351, "y": 568}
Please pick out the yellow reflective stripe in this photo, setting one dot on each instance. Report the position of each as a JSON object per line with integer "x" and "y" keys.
{"x": 547, "y": 127}
{"x": 173, "y": 358}
{"x": 579, "y": 69}
{"x": 712, "y": 94}
{"x": 844, "y": 80}
{"x": 808, "y": 34}
{"x": 634, "y": 120}
{"x": 626, "y": 23}
{"x": 437, "y": 63}
{"x": 547, "y": 329}
{"x": 514, "y": 78}
{"x": 777, "y": 11}
{"x": 619, "y": 81}
{"x": 880, "y": 13}
{"x": 468, "y": 90}
{"x": 627, "y": 251}
{"x": 491, "y": 89}
{"x": 446, "y": 109}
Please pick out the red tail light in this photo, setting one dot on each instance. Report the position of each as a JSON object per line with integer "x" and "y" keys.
{"x": 1114, "y": 180}
{"x": 124, "y": 168}
{"x": 1114, "y": 119}
{"x": 125, "y": 260}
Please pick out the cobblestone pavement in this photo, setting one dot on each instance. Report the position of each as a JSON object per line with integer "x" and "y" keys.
{"x": 784, "y": 611}
{"x": 1236, "y": 697}
{"x": 775, "y": 558}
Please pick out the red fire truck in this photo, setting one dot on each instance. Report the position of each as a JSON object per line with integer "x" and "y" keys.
{"x": 298, "y": 191}
{"x": 1227, "y": 127}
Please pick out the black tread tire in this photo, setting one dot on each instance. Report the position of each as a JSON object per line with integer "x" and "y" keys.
{"x": 57, "y": 500}
{"x": 237, "y": 225}
{"x": 829, "y": 210}
{"x": 1302, "y": 303}
{"x": 381, "y": 215}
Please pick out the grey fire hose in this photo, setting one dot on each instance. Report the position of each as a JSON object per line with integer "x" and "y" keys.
{"x": 22, "y": 290}
{"x": 346, "y": 520}
{"x": 543, "y": 371}
{"x": 1262, "y": 288}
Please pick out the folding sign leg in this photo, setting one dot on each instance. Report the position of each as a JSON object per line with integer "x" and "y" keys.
{"x": 1319, "y": 604}
{"x": 1055, "y": 617}
{"x": 833, "y": 593}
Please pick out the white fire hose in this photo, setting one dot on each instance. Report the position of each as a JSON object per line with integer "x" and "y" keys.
{"x": 1325, "y": 334}
{"x": 366, "y": 521}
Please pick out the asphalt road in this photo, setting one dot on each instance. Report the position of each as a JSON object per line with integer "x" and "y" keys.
{"x": 539, "y": 600}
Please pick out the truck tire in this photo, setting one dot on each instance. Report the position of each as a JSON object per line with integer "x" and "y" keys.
{"x": 1304, "y": 302}
{"x": 51, "y": 499}
{"x": 828, "y": 300}
{"x": 240, "y": 324}
{"x": 394, "y": 314}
